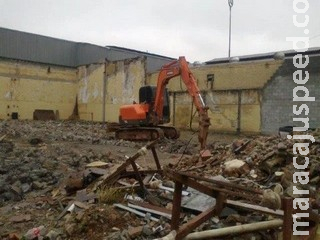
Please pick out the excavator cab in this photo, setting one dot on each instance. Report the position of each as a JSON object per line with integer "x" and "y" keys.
{"x": 147, "y": 94}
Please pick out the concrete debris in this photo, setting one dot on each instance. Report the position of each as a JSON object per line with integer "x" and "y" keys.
{"x": 236, "y": 168}
{"x": 77, "y": 182}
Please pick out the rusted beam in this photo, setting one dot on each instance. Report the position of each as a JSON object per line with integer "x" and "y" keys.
{"x": 177, "y": 195}
{"x": 195, "y": 222}
{"x": 287, "y": 205}
{"x": 220, "y": 183}
{"x": 186, "y": 228}
{"x": 209, "y": 190}
{"x": 192, "y": 183}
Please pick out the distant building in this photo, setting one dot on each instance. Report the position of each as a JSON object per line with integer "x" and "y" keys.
{"x": 47, "y": 50}
{"x": 47, "y": 77}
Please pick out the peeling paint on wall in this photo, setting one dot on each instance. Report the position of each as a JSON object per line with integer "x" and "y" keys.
{"x": 83, "y": 88}
{"x": 25, "y": 87}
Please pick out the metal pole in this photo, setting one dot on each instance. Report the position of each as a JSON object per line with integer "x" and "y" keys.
{"x": 230, "y": 2}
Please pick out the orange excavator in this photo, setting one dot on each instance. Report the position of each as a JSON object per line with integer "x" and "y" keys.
{"x": 143, "y": 120}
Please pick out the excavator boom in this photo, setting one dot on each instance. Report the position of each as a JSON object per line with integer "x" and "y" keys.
{"x": 138, "y": 120}
{"x": 173, "y": 69}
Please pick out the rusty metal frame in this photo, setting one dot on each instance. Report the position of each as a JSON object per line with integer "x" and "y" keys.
{"x": 220, "y": 193}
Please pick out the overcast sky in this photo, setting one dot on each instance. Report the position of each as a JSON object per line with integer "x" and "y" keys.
{"x": 197, "y": 29}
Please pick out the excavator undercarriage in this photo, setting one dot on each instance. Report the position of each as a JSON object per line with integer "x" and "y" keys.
{"x": 134, "y": 133}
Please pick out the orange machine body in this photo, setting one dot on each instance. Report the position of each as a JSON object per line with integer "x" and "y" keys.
{"x": 134, "y": 112}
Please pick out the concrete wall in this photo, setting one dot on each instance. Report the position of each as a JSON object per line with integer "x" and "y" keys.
{"x": 233, "y": 97}
{"x": 122, "y": 82}
{"x": 277, "y": 97}
{"x": 25, "y": 87}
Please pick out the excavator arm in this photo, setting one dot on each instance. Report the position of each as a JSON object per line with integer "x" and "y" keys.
{"x": 169, "y": 71}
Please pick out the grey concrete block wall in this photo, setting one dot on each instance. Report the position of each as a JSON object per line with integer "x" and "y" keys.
{"x": 277, "y": 97}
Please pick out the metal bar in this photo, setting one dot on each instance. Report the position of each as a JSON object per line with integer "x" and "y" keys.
{"x": 166, "y": 215}
{"x": 195, "y": 222}
{"x": 184, "y": 193}
{"x": 255, "y": 208}
{"x": 202, "y": 217}
{"x": 287, "y": 204}
{"x": 141, "y": 214}
{"x": 177, "y": 195}
{"x": 220, "y": 202}
{"x": 156, "y": 159}
{"x": 151, "y": 206}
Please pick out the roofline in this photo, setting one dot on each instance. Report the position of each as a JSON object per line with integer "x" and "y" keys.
{"x": 40, "y": 35}
{"x": 263, "y": 56}
{"x": 139, "y": 52}
{"x": 92, "y": 44}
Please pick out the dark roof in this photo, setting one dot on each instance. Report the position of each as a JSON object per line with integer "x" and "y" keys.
{"x": 36, "y": 48}
{"x": 139, "y": 52}
{"x": 264, "y": 56}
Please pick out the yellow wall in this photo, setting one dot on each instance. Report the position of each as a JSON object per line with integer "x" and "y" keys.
{"x": 25, "y": 87}
{"x": 223, "y": 95}
{"x": 123, "y": 80}
{"x": 245, "y": 75}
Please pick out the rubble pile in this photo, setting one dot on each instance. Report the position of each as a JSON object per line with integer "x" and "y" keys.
{"x": 73, "y": 180}
{"x": 259, "y": 162}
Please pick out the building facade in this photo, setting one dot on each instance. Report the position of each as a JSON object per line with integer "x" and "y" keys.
{"x": 253, "y": 94}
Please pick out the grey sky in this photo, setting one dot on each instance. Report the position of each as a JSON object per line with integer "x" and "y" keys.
{"x": 197, "y": 29}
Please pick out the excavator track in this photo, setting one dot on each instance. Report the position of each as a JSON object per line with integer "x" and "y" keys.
{"x": 170, "y": 132}
{"x": 146, "y": 133}
{"x": 139, "y": 133}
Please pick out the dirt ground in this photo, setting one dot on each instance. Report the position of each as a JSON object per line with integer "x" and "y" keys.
{"x": 37, "y": 159}
{"x": 56, "y": 149}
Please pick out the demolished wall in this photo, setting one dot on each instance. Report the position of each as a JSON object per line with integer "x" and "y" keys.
{"x": 25, "y": 87}
{"x": 121, "y": 79}
{"x": 232, "y": 95}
